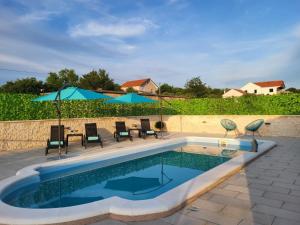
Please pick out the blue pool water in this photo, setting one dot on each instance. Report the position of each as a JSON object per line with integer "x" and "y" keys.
{"x": 137, "y": 179}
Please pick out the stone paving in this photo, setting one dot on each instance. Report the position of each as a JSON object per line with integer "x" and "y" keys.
{"x": 266, "y": 192}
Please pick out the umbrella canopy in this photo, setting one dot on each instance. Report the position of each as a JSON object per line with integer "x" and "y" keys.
{"x": 132, "y": 184}
{"x": 131, "y": 98}
{"x": 72, "y": 93}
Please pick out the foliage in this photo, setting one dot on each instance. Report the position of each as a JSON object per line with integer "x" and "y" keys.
{"x": 167, "y": 89}
{"x": 131, "y": 90}
{"x": 26, "y": 85}
{"x": 96, "y": 80}
{"x": 196, "y": 88}
{"x": 293, "y": 90}
{"x": 20, "y": 107}
{"x": 54, "y": 81}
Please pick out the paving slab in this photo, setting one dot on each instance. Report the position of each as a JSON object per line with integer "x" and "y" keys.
{"x": 237, "y": 200}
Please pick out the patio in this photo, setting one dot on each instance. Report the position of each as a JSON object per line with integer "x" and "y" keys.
{"x": 267, "y": 191}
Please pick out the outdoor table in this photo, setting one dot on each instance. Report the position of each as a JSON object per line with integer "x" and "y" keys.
{"x": 136, "y": 129}
{"x": 75, "y": 135}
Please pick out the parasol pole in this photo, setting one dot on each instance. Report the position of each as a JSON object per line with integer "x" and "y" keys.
{"x": 58, "y": 107}
{"x": 160, "y": 111}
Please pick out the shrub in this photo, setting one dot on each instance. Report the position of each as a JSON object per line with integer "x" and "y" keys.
{"x": 21, "y": 107}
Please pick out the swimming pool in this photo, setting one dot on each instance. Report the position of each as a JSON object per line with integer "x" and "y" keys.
{"x": 140, "y": 181}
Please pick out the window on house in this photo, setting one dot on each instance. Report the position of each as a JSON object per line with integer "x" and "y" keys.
{"x": 255, "y": 91}
{"x": 271, "y": 90}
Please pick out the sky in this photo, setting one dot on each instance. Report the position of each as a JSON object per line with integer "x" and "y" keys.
{"x": 226, "y": 42}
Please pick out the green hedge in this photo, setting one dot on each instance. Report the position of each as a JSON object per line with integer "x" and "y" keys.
{"x": 20, "y": 107}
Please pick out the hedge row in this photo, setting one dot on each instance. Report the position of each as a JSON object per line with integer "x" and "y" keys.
{"x": 20, "y": 107}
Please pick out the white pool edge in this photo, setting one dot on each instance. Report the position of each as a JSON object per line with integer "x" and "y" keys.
{"x": 117, "y": 206}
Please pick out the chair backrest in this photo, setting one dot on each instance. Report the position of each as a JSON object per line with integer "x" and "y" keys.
{"x": 120, "y": 126}
{"x": 145, "y": 125}
{"x": 54, "y": 133}
{"x": 228, "y": 124}
{"x": 91, "y": 129}
{"x": 255, "y": 125}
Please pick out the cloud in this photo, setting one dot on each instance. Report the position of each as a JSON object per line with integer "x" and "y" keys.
{"x": 118, "y": 29}
{"x": 37, "y": 16}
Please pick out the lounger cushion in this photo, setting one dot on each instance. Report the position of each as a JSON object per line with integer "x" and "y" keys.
{"x": 56, "y": 143}
{"x": 150, "y": 132}
{"x": 93, "y": 138}
{"x": 124, "y": 133}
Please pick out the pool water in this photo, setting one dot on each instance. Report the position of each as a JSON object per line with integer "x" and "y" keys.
{"x": 137, "y": 179}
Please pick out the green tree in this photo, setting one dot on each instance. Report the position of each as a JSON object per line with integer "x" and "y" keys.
{"x": 293, "y": 90}
{"x": 95, "y": 80}
{"x": 196, "y": 88}
{"x": 215, "y": 92}
{"x": 28, "y": 85}
{"x": 54, "y": 81}
{"x": 131, "y": 90}
{"x": 170, "y": 90}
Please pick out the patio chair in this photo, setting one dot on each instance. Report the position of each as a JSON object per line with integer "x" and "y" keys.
{"x": 146, "y": 129}
{"x": 254, "y": 126}
{"x": 91, "y": 134}
{"x": 121, "y": 131}
{"x": 53, "y": 141}
{"x": 229, "y": 125}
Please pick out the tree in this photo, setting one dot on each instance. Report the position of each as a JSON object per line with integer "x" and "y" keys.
{"x": 28, "y": 85}
{"x": 196, "y": 88}
{"x": 293, "y": 90}
{"x": 95, "y": 80}
{"x": 54, "y": 81}
{"x": 215, "y": 92}
{"x": 166, "y": 89}
{"x": 131, "y": 90}
{"x": 170, "y": 90}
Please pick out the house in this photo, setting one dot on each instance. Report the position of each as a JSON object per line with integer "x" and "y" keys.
{"x": 264, "y": 88}
{"x": 233, "y": 93}
{"x": 257, "y": 88}
{"x": 143, "y": 85}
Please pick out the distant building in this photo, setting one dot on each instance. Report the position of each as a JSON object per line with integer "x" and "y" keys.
{"x": 233, "y": 93}
{"x": 257, "y": 88}
{"x": 143, "y": 85}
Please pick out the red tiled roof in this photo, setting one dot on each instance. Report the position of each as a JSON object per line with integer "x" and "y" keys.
{"x": 274, "y": 83}
{"x": 133, "y": 83}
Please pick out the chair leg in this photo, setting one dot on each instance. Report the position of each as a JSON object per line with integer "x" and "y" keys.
{"x": 258, "y": 133}
{"x": 46, "y": 151}
{"x": 235, "y": 132}
{"x": 226, "y": 133}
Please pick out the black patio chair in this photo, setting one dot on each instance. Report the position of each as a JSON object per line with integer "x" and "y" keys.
{"x": 91, "y": 135}
{"x": 121, "y": 131}
{"x": 53, "y": 141}
{"x": 146, "y": 129}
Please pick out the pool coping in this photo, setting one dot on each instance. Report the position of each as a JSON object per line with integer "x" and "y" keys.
{"x": 124, "y": 209}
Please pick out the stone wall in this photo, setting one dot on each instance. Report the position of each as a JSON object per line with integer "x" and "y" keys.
{"x": 34, "y": 133}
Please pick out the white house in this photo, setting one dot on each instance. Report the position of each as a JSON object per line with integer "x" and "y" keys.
{"x": 264, "y": 88}
{"x": 143, "y": 85}
{"x": 257, "y": 88}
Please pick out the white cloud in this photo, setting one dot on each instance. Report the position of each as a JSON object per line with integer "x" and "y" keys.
{"x": 37, "y": 16}
{"x": 119, "y": 29}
